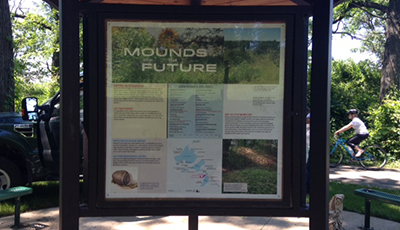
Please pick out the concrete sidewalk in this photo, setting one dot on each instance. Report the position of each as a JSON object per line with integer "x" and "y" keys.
{"x": 47, "y": 219}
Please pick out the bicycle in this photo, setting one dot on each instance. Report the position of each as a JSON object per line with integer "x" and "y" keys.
{"x": 374, "y": 157}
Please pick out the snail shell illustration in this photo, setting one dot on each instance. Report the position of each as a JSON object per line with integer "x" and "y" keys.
{"x": 122, "y": 178}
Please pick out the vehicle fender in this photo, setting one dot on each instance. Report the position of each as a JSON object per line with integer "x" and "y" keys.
{"x": 16, "y": 141}
{"x": 20, "y": 145}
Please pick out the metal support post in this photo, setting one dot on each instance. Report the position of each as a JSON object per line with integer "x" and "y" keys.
{"x": 367, "y": 218}
{"x": 17, "y": 213}
{"x": 193, "y": 222}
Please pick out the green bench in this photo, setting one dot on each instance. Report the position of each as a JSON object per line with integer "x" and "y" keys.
{"x": 370, "y": 194}
{"x": 16, "y": 193}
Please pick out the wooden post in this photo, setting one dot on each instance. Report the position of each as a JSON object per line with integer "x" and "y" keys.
{"x": 320, "y": 114}
{"x": 69, "y": 125}
{"x": 193, "y": 222}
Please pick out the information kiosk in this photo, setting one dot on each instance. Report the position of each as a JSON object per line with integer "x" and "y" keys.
{"x": 194, "y": 107}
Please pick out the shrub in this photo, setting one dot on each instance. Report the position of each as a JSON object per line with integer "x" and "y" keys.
{"x": 353, "y": 86}
{"x": 386, "y": 127}
{"x": 42, "y": 91}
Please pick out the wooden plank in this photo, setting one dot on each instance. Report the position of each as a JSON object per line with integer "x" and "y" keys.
{"x": 248, "y": 3}
{"x": 54, "y": 3}
{"x": 207, "y": 2}
{"x": 146, "y": 2}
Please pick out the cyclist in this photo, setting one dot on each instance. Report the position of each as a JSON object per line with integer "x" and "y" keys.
{"x": 361, "y": 131}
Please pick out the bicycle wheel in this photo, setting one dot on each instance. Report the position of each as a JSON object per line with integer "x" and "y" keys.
{"x": 336, "y": 156}
{"x": 374, "y": 157}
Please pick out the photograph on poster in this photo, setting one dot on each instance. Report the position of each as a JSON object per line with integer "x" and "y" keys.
{"x": 249, "y": 166}
{"x": 124, "y": 179}
{"x": 194, "y": 110}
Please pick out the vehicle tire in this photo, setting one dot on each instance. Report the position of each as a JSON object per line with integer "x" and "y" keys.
{"x": 335, "y": 157}
{"x": 10, "y": 174}
{"x": 374, "y": 157}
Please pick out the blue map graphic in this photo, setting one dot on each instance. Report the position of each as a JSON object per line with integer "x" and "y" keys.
{"x": 189, "y": 156}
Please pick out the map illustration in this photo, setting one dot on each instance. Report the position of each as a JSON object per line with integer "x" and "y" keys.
{"x": 194, "y": 167}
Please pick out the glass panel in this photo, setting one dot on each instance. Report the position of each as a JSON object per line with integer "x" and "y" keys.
{"x": 194, "y": 110}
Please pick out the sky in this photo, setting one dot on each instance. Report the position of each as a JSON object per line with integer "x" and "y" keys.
{"x": 341, "y": 49}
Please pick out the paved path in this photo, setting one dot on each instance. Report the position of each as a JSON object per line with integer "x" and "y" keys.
{"x": 384, "y": 178}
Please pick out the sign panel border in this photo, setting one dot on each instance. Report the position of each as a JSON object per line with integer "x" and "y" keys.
{"x": 194, "y": 202}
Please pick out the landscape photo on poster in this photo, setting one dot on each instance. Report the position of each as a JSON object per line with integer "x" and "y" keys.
{"x": 249, "y": 166}
{"x": 196, "y": 55}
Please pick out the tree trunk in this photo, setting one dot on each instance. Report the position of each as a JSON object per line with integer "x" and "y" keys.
{"x": 6, "y": 60}
{"x": 391, "y": 57}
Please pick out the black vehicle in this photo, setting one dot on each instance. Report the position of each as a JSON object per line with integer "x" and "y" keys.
{"x": 19, "y": 155}
{"x": 47, "y": 117}
{"x": 30, "y": 143}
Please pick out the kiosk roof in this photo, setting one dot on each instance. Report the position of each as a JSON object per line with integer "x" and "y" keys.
{"x": 54, "y": 3}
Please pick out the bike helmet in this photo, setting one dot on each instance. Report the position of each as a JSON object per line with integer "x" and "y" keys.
{"x": 353, "y": 111}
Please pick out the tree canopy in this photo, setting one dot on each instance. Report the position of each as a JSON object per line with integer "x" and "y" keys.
{"x": 376, "y": 23}
{"x": 35, "y": 33}
{"x": 36, "y": 37}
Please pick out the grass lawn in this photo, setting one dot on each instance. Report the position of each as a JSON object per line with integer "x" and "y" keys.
{"x": 356, "y": 203}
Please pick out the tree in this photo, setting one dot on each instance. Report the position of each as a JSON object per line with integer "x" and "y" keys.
{"x": 6, "y": 59}
{"x": 36, "y": 38}
{"x": 168, "y": 38}
{"x": 378, "y": 26}
{"x": 354, "y": 85}
{"x": 35, "y": 34}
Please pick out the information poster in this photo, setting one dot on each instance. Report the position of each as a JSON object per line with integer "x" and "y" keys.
{"x": 194, "y": 110}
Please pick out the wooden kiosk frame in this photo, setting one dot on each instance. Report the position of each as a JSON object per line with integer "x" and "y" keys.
{"x": 294, "y": 13}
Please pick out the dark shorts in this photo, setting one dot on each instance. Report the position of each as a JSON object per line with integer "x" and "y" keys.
{"x": 356, "y": 140}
